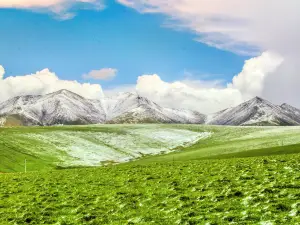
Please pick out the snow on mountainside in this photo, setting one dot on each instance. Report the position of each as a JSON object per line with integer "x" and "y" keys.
{"x": 293, "y": 112}
{"x": 65, "y": 107}
{"x": 256, "y": 111}
{"x": 145, "y": 114}
{"x": 61, "y": 107}
{"x": 122, "y": 103}
{"x": 132, "y": 108}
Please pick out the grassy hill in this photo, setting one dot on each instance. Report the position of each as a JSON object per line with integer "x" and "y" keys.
{"x": 45, "y": 148}
{"x": 214, "y": 175}
{"x": 230, "y": 142}
{"x": 72, "y": 146}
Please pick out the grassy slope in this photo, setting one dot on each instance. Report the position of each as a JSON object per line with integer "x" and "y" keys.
{"x": 14, "y": 149}
{"x": 227, "y": 142}
{"x": 280, "y": 150}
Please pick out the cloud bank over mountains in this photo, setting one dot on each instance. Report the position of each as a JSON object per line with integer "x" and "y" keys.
{"x": 204, "y": 96}
{"x": 44, "y": 82}
{"x": 199, "y": 95}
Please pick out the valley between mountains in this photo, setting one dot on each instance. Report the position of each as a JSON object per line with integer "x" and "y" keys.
{"x": 67, "y": 108}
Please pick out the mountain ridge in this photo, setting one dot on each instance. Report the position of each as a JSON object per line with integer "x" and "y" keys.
{"x": 256, "y": 111}
{"x": 66, "y": 107}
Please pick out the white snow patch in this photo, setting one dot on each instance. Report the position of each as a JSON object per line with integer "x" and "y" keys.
{"x": 293, "y": 212}
{"x": 91, "y": 148}
{"x": 266, "y": 223}
{"x": 172, "y": 137}
{"x": 2, "y": 121}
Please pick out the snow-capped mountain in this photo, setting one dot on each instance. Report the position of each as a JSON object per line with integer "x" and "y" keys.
{"x": 256, "y": 111}
{"x": 61, "y": 107}
{"x": 132, "y": 108}
{"x": 65, "y": 107}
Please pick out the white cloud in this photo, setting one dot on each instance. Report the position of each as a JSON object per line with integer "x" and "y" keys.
{"x": 283, "y": 85}
{"x": 181, "y": 94}
{"x": 2, "y": 72}
{"x": 236, "y": 25}
{"x": 58, "y": 7}
{"x": 203, "y": 96}
{"x": 251, "y": 80}
{"x": 211, "y": 96}
{"x": 102, "y": 74}
{"x": 44, "y": 82}
{"x": 113, "y": 90}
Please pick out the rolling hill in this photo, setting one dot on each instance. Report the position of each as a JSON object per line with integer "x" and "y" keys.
{"x": 97, "y": 145}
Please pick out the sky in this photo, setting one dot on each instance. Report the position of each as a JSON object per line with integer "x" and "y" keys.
{"x": 195, "y": 54}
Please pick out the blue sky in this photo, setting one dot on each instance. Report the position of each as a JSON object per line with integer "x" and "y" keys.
{"x": 254, "y": 50}
{"x": 116, "y": 37}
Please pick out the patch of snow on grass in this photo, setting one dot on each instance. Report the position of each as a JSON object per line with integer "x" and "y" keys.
{"x": 2, "y": 121}
{"x": 266, "y": 223}
{"x": 92, "y": 148}
{"x": 82, "y": 151}
{"x": 172, "y": 137}
{"x": 293, "y": 212}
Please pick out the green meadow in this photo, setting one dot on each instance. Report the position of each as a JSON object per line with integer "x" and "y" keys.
{"x": 150, "y": 174}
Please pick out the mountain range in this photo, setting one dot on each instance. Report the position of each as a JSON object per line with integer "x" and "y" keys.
{"x": 68, "y": 108}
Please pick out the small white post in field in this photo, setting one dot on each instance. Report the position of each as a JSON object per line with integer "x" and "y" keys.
{"x": 25, "y": 166}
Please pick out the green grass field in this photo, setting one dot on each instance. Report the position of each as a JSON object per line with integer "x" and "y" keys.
{"x": 225, "y": 175}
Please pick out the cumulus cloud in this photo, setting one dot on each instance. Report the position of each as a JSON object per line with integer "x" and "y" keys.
{"x": 211, "y": 96}
{"x": 2, "y": 72}
{"x": 283, "y": 85}
{"x": 102, "y": 74}
{"x": 180, "y": 94}
{"x": 113, "y": 90}
{"x": 251, "y": 80}
{"x": 203, "y": 96}
{"x": 44, "y": 82}
{"x": 58, "y": 7}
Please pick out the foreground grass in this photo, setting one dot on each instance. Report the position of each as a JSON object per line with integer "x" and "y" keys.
{"x": 241, "y": 175}
{"x": 257, "y": 190}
